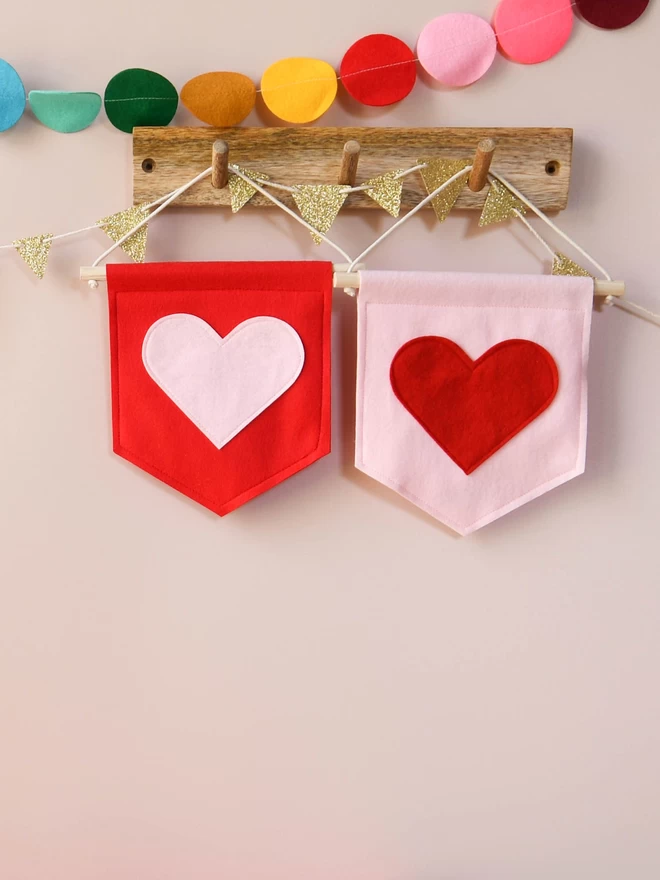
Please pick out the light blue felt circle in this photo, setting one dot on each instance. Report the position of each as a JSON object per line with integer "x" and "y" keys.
{"x": 65, "y": 111}
{"x": 12, "y": 96}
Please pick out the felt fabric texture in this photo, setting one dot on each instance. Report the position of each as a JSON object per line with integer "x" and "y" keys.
{"x": 457, "y": 49}
{"x": 220, "y": 98}
{"x": 299, "y": 89}
{"x": 222, "y": 384}
{"x": 65, "y": 111}
{"x": 473, "y": 408}
{"x": 611, "y": 14}
{"x": 477, "y": 313}
{"x": 149, "y": 428}
{"x": 532, "y": 31}
{"x": 378, "y": 70}
{"x": 140, "y": 97}
{"x": 12, "y": 96}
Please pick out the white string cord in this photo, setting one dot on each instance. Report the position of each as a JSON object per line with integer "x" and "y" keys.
{"x": 410, "y": 214}
{"x": 549, "y": 223}
{"x": 624, "y": 304}
{"x": 634, "y": 309}
{"x": 164, "y": 203}
{"x": 287, "y": 210}
{"x": 536, "y": 235}
{"x": 186, "y": 186}
{"x": 363, "y": 187}
{"x": 61, "y": 235}
{"x": 166, "y": 200}
{"x": 97, "y": 225}
{"x": 170, "y": 196}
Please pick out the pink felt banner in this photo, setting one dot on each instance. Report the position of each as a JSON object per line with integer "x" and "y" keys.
{"x": 472, "y": 313}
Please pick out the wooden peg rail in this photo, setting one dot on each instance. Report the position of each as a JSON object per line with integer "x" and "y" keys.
{"x": 536, "y": 160}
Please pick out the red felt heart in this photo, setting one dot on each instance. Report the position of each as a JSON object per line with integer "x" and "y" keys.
{"x": 472, "y": 408}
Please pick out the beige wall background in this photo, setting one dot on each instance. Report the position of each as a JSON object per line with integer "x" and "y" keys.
{"x": 324, "y": 684}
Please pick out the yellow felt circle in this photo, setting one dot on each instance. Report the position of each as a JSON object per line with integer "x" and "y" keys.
{"x": 299, "y": 89}
{"x": 219, "y": 98}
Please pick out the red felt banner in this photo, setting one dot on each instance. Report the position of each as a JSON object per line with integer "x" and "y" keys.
{"x": 153, "y": 432}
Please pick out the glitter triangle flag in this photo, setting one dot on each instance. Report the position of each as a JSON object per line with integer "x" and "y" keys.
{"x": 434, "y": 174}
{"x": 34, "y": 251}
{"x": 240, "y": 190}
{"x": 117, "y": 225}
{"x": 561, "y": 265}
{"x": 319, "y": 204}
{"x": 386, "y": 191}
{"x": 501, "y": 204}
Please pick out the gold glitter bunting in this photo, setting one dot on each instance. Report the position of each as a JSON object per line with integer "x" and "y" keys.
{"x": 561, "y": 265}
{"x": 319, "y": 204}
{"x": 501, "y": 204}
{"x": 240, "y": 190}
{"x": 35, "y": 251}
{"x": 386, "y": 191}
{"x": 117, "y": 225}
{"x": 437, "y": 172}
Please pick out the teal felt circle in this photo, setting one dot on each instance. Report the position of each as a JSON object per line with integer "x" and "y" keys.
{"x": 12, "y": 96}
{"x": 140, "y": 97}
{"x": 65, "y": 111}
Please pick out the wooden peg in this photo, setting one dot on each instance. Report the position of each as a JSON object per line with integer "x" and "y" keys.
{"x": 220, "y": 165}
{"x": 349, "y": 163}
{"x": 481, "y": 165}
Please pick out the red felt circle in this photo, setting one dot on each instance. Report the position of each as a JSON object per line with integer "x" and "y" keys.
{"x": 378, "y": 70}
{"x": 611, "y": 14}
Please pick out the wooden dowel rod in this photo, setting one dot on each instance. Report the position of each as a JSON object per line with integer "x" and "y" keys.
{"x": 220, "y": 165}
{"x": 349, "y": 163}
{"x": 342, "y": 278}
{"x": 481, "y": 165}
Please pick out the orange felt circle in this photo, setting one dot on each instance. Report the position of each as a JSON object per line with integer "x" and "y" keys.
{"x": 299, "y": 89}
{"x": 220, "y": 98}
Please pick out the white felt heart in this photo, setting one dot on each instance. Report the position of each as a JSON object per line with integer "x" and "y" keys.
{"x": 222, "y": 384}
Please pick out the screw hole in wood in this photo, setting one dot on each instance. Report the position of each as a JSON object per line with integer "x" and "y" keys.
{"x": 148, "y": 166}
{"x": 552, "y": 167}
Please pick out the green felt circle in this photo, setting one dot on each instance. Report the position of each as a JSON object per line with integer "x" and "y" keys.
{"x": 65, "y": 111}
{"x": 140, "y": 97}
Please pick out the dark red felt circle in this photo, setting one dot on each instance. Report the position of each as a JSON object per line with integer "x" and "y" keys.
{"x": 611, "y": 14}
{"x": 366, "y": 75}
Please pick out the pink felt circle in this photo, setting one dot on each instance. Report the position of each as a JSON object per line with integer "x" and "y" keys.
{"x": 457, "y": 49}
{"x": 531, "y": 31}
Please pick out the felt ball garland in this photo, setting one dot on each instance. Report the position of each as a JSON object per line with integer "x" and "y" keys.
{"x": 456, "y": 49}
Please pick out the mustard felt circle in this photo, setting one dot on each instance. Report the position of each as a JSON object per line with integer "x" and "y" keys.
{"x": 219, "y": 98}
{"x": 299, "y": 89}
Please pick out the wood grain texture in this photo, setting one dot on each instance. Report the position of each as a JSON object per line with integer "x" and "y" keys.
{"x": 314, "y": 155}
